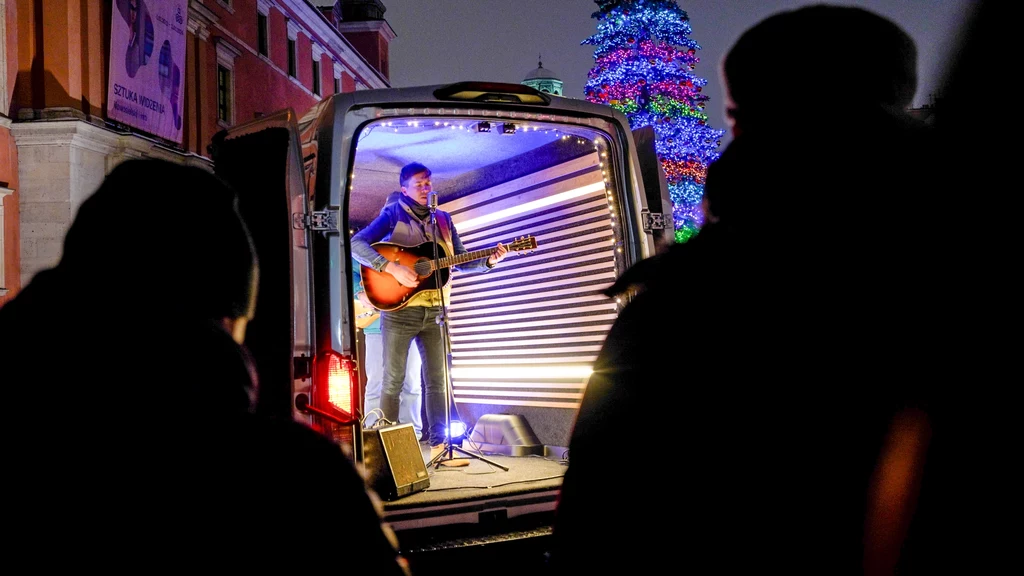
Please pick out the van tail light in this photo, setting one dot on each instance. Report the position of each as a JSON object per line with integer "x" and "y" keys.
{"x": 335, "y": 387}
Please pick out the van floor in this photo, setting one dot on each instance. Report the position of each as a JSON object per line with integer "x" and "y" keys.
{"x": 479, "y": 493}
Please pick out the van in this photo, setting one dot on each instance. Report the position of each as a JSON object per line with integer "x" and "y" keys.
{"x": 565, "y": 182}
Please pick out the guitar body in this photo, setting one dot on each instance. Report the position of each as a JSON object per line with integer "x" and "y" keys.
{"x": 385, "y": 292}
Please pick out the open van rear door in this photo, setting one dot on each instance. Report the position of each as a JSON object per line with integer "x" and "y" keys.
{"x": 262, "y": 161}
{"x": 657, "y": 219}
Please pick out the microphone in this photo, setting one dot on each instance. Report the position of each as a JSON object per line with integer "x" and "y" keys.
{"x": 432, "y": 200}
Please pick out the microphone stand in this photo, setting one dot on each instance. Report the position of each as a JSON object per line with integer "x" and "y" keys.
{"x": 442, "y": 322}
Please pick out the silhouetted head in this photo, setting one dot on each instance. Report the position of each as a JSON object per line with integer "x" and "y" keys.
{"x": 815, "y": 59}
{"x": 162, "y": 240}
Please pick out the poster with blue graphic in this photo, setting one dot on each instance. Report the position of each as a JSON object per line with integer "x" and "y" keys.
{"x": 147, "y": 65}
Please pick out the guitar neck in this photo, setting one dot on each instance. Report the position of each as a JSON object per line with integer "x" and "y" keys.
{"x": 462, "y": 258}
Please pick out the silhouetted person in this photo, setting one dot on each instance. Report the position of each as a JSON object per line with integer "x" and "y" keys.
{"x": 968, "y": 487}
{"x": 132, "y": 438}
{"x": 742, "y": 399}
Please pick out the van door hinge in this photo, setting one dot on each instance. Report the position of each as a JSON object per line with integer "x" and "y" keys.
{"x": 652, "y": 220}
{"x": 320, "y": 221}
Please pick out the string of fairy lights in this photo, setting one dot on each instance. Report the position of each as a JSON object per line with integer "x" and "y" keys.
{"x": 643, "y": 63}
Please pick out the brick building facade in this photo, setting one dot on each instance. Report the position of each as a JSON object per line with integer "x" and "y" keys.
{"x": 244, "y": 58}
{"x": 8, "y": 154}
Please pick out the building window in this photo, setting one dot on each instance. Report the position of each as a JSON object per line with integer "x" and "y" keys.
{"x": 262, "y": 34}
{"x": 337, "y": 85}
{"x": 292, "y": 62}
{"x": 316, "y": 77}
{"x": 226, "y": 56}
{"x": 224, "y": 94}
{"x": 4, "y": 191}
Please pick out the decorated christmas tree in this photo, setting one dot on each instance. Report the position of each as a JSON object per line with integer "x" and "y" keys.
{"x": 643, "y": 66}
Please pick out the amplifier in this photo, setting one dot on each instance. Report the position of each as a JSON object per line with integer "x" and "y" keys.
{"x": 393, "y": 461}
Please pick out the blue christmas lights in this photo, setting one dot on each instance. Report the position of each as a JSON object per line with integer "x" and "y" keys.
{"x": 643, "y": 63}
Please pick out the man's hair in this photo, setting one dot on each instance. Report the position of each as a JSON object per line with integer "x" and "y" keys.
{"x": 821, "y": 56}
{"x": 410, "y": 170}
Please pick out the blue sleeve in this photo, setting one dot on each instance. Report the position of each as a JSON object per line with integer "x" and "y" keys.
{"x": 478, "y": 265}
{"x": 374, "y": 232}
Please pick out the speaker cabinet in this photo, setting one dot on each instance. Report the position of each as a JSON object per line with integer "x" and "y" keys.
{"x": 393, "y": 461}
{"x": 508, "y": 434}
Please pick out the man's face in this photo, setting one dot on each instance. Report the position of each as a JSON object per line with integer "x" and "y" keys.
{"x": 133, "y": 10}
{"x": 418, "y": 187}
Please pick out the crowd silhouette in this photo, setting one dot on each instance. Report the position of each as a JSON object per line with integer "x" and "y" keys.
{"x": 795, "y": 406}
{"x": 132, "y": 438}
{"x": 810, "y": 385}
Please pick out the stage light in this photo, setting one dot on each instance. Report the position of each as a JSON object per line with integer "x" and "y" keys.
{"x": 508, "y": 128}
{"x": 458, "y": 431}
{"x": 483, "y": 127}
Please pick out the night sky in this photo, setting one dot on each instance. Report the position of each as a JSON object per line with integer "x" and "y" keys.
{"x": 440, "y": 41}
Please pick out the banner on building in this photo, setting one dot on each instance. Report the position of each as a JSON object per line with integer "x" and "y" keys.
{"x": 147, "y": 65}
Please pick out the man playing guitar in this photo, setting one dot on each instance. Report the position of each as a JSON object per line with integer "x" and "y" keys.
{"x": 408, "y": 223}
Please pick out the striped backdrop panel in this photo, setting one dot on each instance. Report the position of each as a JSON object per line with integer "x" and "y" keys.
{"x": 527, "y": 333}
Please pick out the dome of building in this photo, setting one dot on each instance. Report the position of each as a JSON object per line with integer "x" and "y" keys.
{"x": 543, "y": 80}
{"x": 541, "y": 73}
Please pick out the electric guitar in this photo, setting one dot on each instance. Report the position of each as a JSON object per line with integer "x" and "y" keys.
{"x": 365, "y": 316}
{"x": 386, "y": 293}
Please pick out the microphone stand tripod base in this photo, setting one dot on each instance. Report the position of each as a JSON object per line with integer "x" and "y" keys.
{"x": 445, "y": 458}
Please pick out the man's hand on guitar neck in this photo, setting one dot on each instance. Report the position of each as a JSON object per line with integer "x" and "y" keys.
{"x": 405, "y": 275}
{"x": 497, "y": 256}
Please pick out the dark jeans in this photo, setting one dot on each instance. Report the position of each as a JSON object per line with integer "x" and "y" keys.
{"x": 399, "y": 328}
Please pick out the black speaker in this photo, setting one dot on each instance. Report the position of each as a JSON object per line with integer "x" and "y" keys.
{"x": 393, "y": 461}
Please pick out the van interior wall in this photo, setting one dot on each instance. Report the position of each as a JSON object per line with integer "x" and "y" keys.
{"x": 525, "y": 335}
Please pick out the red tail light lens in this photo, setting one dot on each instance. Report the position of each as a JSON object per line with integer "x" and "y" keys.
{"x": 335, "y": 382}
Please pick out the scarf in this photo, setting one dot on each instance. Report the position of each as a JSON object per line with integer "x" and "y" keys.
{"x": 421, "y": 211}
